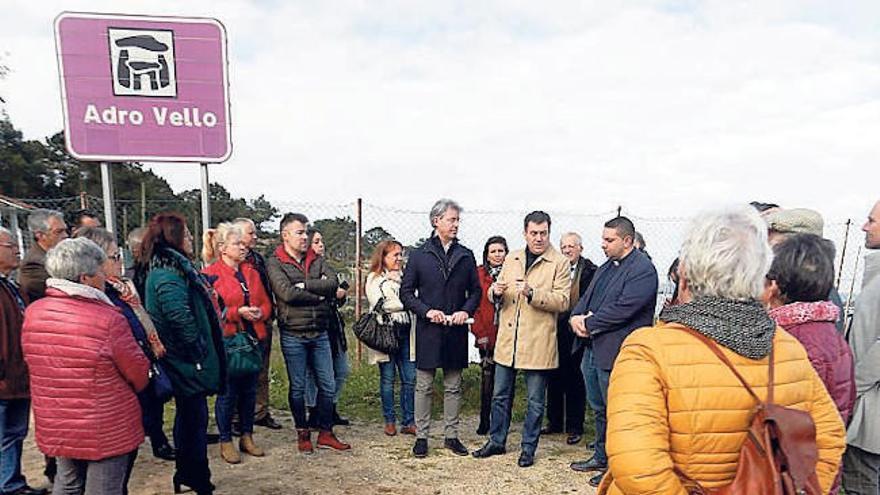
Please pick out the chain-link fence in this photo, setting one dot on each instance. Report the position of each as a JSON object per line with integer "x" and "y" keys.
{"x": 339, "y": 222}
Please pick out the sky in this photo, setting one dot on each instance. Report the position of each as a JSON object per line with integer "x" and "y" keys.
{"x": 664, "y": 107}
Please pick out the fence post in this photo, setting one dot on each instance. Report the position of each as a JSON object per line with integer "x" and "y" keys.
{"x": 358, "y": 269}
{"x": 143, "y": 204}
{"x": 843, "y": 253}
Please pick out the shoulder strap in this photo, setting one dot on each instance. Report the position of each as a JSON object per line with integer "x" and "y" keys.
{"x": 717, "y": 351}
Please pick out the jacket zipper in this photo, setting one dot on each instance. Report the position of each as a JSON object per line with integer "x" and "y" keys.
{"x": 519, "y": 299}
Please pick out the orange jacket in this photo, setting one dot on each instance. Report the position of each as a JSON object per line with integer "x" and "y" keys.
{"x": 673, "y": 403}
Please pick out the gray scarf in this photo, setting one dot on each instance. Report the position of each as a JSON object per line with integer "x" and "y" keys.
{"x": 742, "y": 326}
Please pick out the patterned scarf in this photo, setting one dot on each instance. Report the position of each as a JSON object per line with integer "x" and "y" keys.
{"x": 742, "y": 326}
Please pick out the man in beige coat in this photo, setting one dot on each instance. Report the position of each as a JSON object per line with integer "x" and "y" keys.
{"x": 533, "y": 287}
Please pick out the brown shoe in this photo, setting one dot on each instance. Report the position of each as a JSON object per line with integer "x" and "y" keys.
{"x": 228, "y": 453}
{"x": 408, "y": 430}
{"x": 390, "y": 429}
{"x": 304, "y": 441}
{"x": 247, "y": 446}
{"x": 326, "y": 439}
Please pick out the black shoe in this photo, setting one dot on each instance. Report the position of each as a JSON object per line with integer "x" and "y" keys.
{"x": 525, "y": 459}
{"x": 574, "y": 438}
{"x": 178, "y": 482}
{"x": 590, "y": 464}
{"x": 550, "y": 430}
{"x": 455, "y": 446}
{"x": 592, "y": 445}
{"x": 420, "y": 449}
{"x": 165, "y": 452}
{"x": 213, "y": 438}
{"x": 482, "y": 430}
{"x": 268, "y": 422}
{"x": 489, "y": 450}
{"x": 27, "y": 490}
{"x": 339, "y": 420}
{"x": 596, "y": 480}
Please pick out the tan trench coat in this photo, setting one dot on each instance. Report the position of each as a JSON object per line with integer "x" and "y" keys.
{"x": 527, "y": 330}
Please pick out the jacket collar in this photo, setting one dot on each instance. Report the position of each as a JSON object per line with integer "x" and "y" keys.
{"x": 551, "y": 254}
{"x": 283, "y": 257}
{"x": 805, "y": 312}
{"x": 81, "y": 291}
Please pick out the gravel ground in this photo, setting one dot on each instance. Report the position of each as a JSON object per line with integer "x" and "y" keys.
{"x": 376, "y": 464}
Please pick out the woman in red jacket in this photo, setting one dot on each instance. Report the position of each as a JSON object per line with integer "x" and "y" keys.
{"x": 247, "y": 309}
{"x": 796, "y": 292}
{"x": 85, "y": 368}
{"x": 485, "y": 327}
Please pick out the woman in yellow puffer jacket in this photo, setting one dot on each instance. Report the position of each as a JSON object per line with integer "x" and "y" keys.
{"x": 673, "y": 405}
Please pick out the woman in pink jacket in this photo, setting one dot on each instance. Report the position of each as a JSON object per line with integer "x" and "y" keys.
{"x": 85, "y": 368}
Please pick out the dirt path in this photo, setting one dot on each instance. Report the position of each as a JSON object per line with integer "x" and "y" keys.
{"x": 376, "y": 464}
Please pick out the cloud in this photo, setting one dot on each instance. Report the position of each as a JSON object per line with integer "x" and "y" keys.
{"x": 662, "y": 107}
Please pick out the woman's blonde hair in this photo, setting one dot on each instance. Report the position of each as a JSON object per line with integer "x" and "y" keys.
{"x": 214, "y": 238}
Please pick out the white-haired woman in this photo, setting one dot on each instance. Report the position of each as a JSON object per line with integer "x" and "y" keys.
{"x": 676, "y": 412}
{"x": 248, "y": 307}
{"x": 85, "y": 369}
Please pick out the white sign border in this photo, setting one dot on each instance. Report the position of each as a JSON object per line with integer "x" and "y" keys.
{"x": 135, "y": 158}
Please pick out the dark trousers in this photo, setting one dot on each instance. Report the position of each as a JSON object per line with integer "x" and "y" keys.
{"x": 487, "y": 386}
{"x": 152, "y": 417}
{"x": 861, "y": 472}
{"x": 596, "y": 381}
{"x": 240, "y": 396}
{"x": 566, "y": 394}
{"x": 191, "y": 441}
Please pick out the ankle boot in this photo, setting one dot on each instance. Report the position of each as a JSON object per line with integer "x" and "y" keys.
{"x": 326, "y": 439}
{"x": 247, "y": 445}
{"x": 228, "y": 453}
{"x": 304, "y": 440}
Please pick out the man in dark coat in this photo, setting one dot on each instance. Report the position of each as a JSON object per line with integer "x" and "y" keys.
{"x": 48, "y": 229}
{"x": 14, "y": 390}
{"x": 621, "y": 298}
{"x": 566, "y": 392}
{"x": 440, "y": 286}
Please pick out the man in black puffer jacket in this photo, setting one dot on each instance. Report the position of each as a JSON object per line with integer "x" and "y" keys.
{"x": 302, "y": 283}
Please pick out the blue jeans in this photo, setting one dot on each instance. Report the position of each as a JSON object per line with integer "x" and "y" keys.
{"x": 406, "y": 369}
{"x": 241, "y": 397}
{"x": 191, "y": 441}
{"x": 14, "y": 414}
{"x": 340, "y": 373}
{"x": 302, "y": 353}
{"x": 596, "y": 381}
{"x": 536, "y": 387}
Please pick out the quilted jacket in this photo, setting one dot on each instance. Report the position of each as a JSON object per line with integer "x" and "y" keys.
{"x": 673, "y": 404}
{"x": 85, "y": 367}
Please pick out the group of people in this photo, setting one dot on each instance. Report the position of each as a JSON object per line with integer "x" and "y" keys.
{"x": 96, "y": 350}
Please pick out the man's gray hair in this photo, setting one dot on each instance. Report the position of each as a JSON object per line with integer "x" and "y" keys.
{"x": 100, "y": 236}
{"x": 440, "y": 208}
{"x": 38, "y": 220}
{"x": 70, "y": 259}
{"x": 6, "y": 232}
{"x": 726, "y": 254}
{"x": 136, "y": 236}
{"x": 244, "y": 220}
{"x": 577, "y": 237}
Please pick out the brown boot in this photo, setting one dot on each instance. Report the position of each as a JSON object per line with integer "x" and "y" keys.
{"x": 228, "y": 453}
{"x": 326, "y": 439}
{"x": 247, "y": 445}
{"x": 304, "y": 441}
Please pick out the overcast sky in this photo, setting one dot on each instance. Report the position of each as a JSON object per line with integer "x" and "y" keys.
{"x": 661, "y": 106}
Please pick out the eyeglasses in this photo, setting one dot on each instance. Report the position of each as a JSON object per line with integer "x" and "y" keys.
{"x": 115, "y": 257}
{"x": 12, "y": 245}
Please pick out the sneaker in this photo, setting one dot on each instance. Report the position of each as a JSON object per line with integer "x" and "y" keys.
{"x": 420, "y": 449}
{"x": 327, "y": 440}
{"x": 455, "y": 446}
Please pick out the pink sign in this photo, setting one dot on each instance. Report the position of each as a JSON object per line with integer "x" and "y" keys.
{"x": 138, "y": 88}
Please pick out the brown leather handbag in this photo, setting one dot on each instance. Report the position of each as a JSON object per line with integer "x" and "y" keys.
{"x": 779, "y": 454}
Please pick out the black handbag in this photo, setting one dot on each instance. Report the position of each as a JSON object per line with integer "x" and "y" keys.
{"x": 376, "y": 334}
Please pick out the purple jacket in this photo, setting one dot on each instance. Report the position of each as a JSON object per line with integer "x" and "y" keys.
{"x": 813, "y": 325}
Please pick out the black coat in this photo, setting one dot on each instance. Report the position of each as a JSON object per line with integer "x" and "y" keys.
{"x": 564, "y": 334}
{"x": 446, "y": 282}
{"x": 627, "y": 303}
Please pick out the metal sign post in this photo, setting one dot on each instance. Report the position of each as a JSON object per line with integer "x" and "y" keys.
{"x": 206, "y": 199}
{"x": 109, "y": 204}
